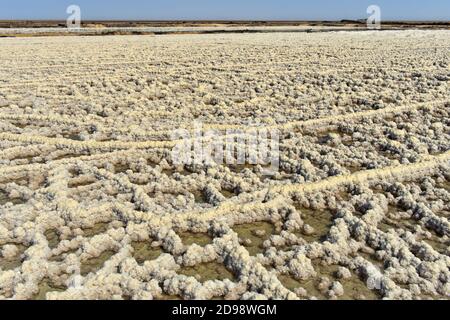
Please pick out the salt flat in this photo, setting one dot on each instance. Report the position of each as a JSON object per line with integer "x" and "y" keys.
{"x": 93, "y": 207}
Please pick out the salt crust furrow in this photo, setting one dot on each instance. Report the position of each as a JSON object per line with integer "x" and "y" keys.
{"x": 111, "y": 145}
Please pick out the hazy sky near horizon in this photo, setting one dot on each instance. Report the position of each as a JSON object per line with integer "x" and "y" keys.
{"x": 226, "y": 10}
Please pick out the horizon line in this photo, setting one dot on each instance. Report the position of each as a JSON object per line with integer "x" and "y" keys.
{"x": 229, "y": 20}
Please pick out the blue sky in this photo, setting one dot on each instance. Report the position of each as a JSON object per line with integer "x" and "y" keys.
{"x": 227, "y": 9}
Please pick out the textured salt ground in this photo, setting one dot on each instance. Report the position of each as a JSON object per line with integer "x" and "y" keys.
{"x": 4, "y": 199}
{"x": 144, "y": 251}
{"x": 45, "y": 287}
{"x": 208, "y": 271}
{"x": 320, "y": 220}
{"x": 252, "y": 241}
{"x": 354, "y": 288}
{"x": 389, "y": 117}
{"x": 13, "y": 262}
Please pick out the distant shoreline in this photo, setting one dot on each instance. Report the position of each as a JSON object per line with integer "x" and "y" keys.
{"x": 200, "y": 23}
{"x": 103, "y": 28}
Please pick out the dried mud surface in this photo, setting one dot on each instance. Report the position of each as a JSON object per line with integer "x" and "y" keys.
{"x": 92, "y": 207}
